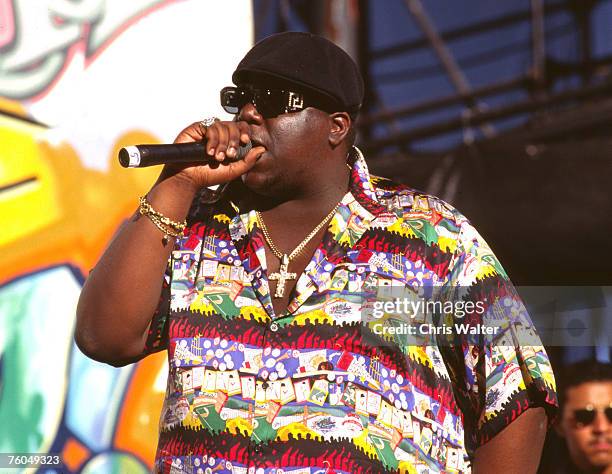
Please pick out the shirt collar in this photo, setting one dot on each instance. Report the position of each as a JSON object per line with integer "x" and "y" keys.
{"x": 357, "y": 209}
{"x": 361, "y": 184}
{"x": 358, "y": 206}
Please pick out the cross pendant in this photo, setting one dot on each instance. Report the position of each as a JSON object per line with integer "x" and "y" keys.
{"x": 282, "y": 276}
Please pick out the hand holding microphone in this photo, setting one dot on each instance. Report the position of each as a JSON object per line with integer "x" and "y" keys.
{"x": 141, "y": 156}
{"x": 206, "y": 153}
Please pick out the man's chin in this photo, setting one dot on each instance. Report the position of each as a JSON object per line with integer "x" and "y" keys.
{"x": 258, "y": 181}
{"x": 601, "y": 459}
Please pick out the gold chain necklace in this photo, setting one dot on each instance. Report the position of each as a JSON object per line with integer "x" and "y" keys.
{"x": 283, "y": 274}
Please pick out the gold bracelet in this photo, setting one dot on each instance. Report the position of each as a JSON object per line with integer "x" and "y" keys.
{"x": 169, "y": 227}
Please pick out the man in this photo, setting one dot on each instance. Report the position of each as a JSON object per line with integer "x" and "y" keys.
{"x": 274, "y": 366}
{"x": 586, "y": 417}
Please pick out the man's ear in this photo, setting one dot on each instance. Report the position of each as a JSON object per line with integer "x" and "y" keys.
{"x": 340, "y": 126}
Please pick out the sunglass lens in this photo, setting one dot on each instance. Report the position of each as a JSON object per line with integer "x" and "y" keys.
{"x": 608, "y": 412}
{"x": 233, "y": 99}
{"x": 584, "y": 417}
{"x": 269, "y": 103}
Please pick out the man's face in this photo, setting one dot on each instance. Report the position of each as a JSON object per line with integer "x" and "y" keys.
{"x": 293, "y": 141}
{"x": 589, "y": 444}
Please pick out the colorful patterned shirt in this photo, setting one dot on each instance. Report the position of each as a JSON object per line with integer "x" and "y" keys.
{"x": 322, "y": 388}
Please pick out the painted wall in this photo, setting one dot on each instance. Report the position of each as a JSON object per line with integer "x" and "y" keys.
{"x": 78, "y": 80}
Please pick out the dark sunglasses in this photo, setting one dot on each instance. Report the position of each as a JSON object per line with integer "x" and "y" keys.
{"x": 586, "y": 416}
{"x": 268, "y": 102}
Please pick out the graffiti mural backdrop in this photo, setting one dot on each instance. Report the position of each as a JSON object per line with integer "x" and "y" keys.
{"x": 79, "y": 79}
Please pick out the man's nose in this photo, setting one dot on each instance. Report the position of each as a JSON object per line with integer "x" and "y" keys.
{"x": 249, "y": 114}
{"x": 601, "y": 423}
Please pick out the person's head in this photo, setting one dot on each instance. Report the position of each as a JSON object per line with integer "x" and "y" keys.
{"x": 585, "y": 395}
{"x": 300, "y": 94}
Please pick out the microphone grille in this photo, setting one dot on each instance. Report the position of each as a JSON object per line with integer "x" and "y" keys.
{"x": 243, "y": 150}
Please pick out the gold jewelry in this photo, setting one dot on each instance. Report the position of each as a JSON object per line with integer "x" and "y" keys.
{"x": 283, "y": 274}
{"x": 169, "y": 227}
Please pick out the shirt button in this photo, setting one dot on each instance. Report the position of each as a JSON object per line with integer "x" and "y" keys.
{"x": 273, "y": 327}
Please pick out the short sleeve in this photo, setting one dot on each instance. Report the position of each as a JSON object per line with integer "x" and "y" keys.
{"x": 157, "y": 338}
{"x": 502, "y": 367}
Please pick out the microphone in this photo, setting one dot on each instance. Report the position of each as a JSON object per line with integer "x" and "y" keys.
{"x": 140, "y": 156}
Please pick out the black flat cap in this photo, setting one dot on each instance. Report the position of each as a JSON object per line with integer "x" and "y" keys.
{"x": 309, "y": 61}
